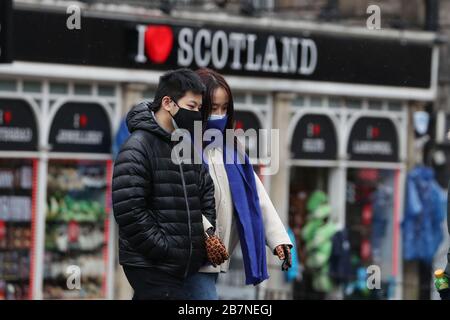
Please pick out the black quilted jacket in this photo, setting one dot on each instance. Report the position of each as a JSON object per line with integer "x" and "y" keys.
{"x": 158, "y": 204}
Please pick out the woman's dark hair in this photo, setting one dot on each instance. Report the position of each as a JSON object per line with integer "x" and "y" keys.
{"x": 213, "y": 80}
{"x": 175, "y": 84}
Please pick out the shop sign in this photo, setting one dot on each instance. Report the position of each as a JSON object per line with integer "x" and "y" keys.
{"x": 80, "y": 127}
{"x": 314, "y": 138}
{"x": 244, "y": 51}
{"x": 18, "y": 129}
{"x": 5, "y": 31}
{"x": 221, "y": 49}
{"x": 247, "y": 120}
{"x": 373, "y": 139}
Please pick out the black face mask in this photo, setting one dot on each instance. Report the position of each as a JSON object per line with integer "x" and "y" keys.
{"x": 185, "y": 119}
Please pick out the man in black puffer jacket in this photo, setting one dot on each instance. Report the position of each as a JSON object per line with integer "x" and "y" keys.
{"x": 158, "y": 204}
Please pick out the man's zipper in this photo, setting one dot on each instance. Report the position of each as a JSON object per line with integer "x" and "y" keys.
{"x": 189, "y": 218}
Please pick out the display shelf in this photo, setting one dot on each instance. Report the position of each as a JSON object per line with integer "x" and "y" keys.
{"x": 72, "y": 251}
{"x": 76, "y": 227}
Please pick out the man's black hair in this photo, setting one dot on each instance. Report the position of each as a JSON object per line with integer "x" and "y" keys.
{"x": 175, "y": 84}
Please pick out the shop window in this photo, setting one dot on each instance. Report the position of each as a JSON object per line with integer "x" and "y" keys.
{"x": 16, "y": 227}
{"x": 83, "y": 89}
{"x": 32, "y": 86}
{"x": 299, "y": 101}
{"x": 316, "y": 101}
{"x": 310, "y": 220}
{"x": 58, "y": 88}
{"x": 395, "y": 106}
{"x": 239, "y": 98}
{"x": 353, "y": 103}
{"x": 369, "y": 221}
{"x": 106, "y": 91}
{"x": 76, "y": 226}
{"x": 8, "y": 85}
{"x": 334, "y": 102}
{"x": 259, "y": 99}
{"x": 375, "y": 105}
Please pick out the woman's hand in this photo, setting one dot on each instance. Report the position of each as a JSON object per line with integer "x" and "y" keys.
{"x": 283, "y": 251}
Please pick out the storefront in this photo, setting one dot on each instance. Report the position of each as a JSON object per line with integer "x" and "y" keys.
{"x": 345, "y": 81}
{"x": 77, "y": 223}
{"x": 314, "y": 170}
{"x": 351, "y": 156}
{"x": 18, "y": 185}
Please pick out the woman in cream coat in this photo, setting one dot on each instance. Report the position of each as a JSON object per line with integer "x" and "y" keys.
{"x": 244, "y": 210}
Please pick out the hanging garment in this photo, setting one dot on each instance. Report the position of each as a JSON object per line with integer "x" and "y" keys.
{"x": 121, "y": 136}
{"x": 424, "y": 214}
{"x": 341, "y": 270}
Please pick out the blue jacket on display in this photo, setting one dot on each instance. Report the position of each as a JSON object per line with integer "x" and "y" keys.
{"x": 121, "y": 136}
{"x": 424, "y": 213}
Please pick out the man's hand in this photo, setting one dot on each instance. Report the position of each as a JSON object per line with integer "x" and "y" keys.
{"x": 283, "y": 251}
{"x": 215, "y": 249}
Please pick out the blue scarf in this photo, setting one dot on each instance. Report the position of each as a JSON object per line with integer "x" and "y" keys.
{"x": 247, "y": 210}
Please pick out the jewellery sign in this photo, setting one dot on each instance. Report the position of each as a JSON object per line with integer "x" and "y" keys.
{"x": 81, "y": 127}
{"x": 233, "y": 50}
{"x": 373, "y": 139}
{"x": 18, "y": 129}
{"x": 314, "y": 138}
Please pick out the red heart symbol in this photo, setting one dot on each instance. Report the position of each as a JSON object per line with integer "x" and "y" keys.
{"x": 83, "y": 120}
{"x": 2, "y": 229}
{"x": 73, "y": 231}
{"x": 375, "y": 132}
{"x": 7, "y": 117}
{"x": 316, "y": 130}
{"x": 158, "y": 43}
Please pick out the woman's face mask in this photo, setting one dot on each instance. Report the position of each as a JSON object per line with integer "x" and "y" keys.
{"x": 217, "y": 121}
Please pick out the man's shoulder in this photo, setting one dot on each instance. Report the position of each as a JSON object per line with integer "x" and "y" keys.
{"x": 141, "y": 136}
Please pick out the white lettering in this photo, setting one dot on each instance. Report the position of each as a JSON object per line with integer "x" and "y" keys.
{"x": 313, "y": 145}
{"x": 205, "y": 36}
{"x": 140, "y": 57}
{"x": 79, "y": 137}
{"x": 15, "y": 134}
{"x": 253, "y": 62}
{"x": 237, "y": 43}
{"x": 270, "y": 56}
{"x": 219, "y": 62}
{"x": 290, "y": 55}
{"x": 372, "y": 147}
{"x": 308, "y": 67}
{"x": 185, "y": 52}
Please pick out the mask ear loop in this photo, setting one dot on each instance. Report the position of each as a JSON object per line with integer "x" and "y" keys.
{"x": 176, "y": 105}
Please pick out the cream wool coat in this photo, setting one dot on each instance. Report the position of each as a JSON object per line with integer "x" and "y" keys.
{"x": 226, "y": 229}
